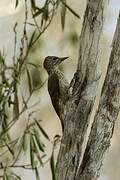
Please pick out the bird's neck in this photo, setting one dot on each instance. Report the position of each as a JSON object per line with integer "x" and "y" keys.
{"x": 53, "y": 70}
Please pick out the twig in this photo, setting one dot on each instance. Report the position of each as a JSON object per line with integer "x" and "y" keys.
{"x": 50, "y": 20}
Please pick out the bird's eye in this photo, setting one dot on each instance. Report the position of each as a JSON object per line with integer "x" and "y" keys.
{"x": 55, "y": 58}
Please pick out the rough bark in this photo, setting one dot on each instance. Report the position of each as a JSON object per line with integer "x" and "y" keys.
{"x": 105, "y": 118}
{"x": 83, "y": 90}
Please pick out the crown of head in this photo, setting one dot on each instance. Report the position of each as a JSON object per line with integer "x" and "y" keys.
{"x": 50, "y": 61}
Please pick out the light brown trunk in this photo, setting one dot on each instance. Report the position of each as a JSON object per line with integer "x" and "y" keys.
{"x": 83, "y": 91}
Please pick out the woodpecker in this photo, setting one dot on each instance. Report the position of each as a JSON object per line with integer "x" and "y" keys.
{"x": 57, "y": 85}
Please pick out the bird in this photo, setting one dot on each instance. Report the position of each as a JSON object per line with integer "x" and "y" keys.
{"x": 57, "y": 85}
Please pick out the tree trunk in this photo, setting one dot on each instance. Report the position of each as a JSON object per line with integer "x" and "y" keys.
{"x": 105, "y": 118}
{"x": 83, "y": 89}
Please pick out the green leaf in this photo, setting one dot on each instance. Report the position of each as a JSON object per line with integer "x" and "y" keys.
{"x": 70, "y": 9}
{"x": 36, "y": 151}
{"x": 4, "y": 177}
{"x": 39, "y": 143}
{"x": 2, "y": 61}
{"x": 42, "y": 20}
{"x": 32, "y": 155}
{"x": 25, "y": 103}
{"x": 14, "y": 176}
{"x": 16, "y": 4}
{"x": 63, "y": 16}
{"x": 46, "y": 13}
{"x": 11, "y": 176}
{"x": 33, "y": 4}
{"x": 37, "y": 174}
{"x": 57, "y": 3}
{"x": 34, "y": 65}
{"x": 46, "y": 3}
{"x": 31, "y": 39}
{"x": 39, "y": 11}
{"x": 25, "y": 143}
{"x": 42, "y": 130}
{"x": 52, "y": 166}
{"x": 40, "y": 159}
{"x": 10, "y": 150}
{"x": 16, "y": 103}
{"x": 10, "y": 102}
{"x": 29, "y": 81}
{"x": 73, "y": 38}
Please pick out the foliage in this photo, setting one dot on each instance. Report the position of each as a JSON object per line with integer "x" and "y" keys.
{"x": 31, "y": 139}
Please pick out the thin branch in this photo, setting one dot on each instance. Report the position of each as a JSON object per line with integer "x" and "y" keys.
{"x": 50, "y": 20}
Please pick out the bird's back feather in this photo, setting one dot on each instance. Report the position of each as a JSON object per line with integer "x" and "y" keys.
{"x": 54, "y": 91}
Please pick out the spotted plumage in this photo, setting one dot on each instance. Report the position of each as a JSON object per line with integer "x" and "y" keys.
{"x": 57, "y": 85}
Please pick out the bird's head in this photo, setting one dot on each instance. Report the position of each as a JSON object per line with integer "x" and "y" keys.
{"x": 51, "y": 62}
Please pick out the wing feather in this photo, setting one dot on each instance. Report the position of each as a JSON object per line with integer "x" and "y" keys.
{"x": 54, "y": 91}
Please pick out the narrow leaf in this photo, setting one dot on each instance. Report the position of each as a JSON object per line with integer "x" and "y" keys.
{"x": 29, "y": 81}
{"x": 31, "y": 39}
{"x": 16, "y": 104}
{"x": 4, "y": 177}
{"x": 33, "y": 4}
{"x": 39, "y": 159}
{"x": 2, "y": 61}
{"x": 52, "y": 166}
{"x": 42, "y": 130}
{"x": 24, "y": 144}
{"x": 32, "y": 153}
{"x": 46, "y": 13}
{"x": 39, "y": 143}
{"x": 15, "y": 176}
{"x": 34, "y": 65}
{"x": 42, "y": 20}
{"x": 39, "y": 11}
{"x": 24, "y": 102}
{"x": 10, "y": 150}
{"x": 63, "y": 16}
{"x": 7, "y": 177}
{"x": 37, "y": 174}
{"x": 36, "y": 151}
{"x": 46, "y": 3}
{"x": 16, "y": 4}
{"x": 70, "y": 9}
{"x": 57, "y": 3}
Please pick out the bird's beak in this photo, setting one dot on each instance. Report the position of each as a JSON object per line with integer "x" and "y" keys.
{"x": 63, "y": 58}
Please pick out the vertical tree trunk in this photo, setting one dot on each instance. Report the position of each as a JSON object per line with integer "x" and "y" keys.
{"x": 105, "y": 118}
{"x": 83, "y": 90}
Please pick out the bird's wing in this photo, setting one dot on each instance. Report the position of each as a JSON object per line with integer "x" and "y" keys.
{"x": 54, "y": 91}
